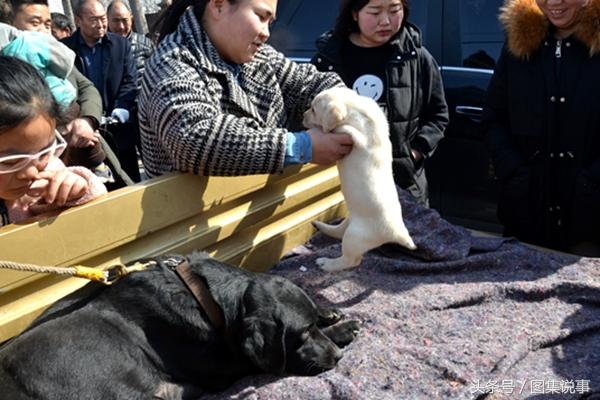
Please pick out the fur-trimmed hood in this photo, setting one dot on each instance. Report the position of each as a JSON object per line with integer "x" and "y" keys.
{"x": 527, "y": 27}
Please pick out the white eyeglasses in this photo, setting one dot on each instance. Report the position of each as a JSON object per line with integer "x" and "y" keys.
{"x": 17, "y": 162}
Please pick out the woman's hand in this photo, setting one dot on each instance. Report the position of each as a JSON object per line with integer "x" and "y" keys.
{"x": 63, "y": 186}
{"x": 327, "y": 148}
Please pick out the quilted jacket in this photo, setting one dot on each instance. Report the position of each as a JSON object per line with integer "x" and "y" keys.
{"x": 201, "y": 115}
{"x": 542, "y": 121}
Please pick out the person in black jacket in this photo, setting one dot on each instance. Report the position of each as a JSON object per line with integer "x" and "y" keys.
{"x": 378, "y": 53}
{"x": 543, "y": 124}
{"x": 106, "y": 59}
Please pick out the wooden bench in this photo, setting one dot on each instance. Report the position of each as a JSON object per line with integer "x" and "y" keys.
{"x": 247, "y": 221}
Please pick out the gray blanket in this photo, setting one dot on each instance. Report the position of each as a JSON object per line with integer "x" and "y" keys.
{"x": 464, "y": 317}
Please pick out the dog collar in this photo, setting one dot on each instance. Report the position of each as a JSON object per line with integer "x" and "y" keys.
{"x": 201, "y": 293}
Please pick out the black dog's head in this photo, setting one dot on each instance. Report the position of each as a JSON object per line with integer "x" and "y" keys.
{"x": 281, "y": 330}
{"x": 271, "y": 324}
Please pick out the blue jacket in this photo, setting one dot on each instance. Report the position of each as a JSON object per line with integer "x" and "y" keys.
{"x": 118, "y": 70}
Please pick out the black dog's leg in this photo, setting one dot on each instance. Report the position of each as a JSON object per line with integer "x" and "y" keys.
{"x": 343, "y": 333}
{"x": 329, "y": 316}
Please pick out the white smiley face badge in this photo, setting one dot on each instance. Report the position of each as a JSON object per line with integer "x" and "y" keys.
{"x": 368, "y": 86}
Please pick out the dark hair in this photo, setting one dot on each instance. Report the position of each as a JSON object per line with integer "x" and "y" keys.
{"x": 24, "y": 93}
{"x": 17, "y": 4}
{"x": 6, "y": 12}
{"x": 169, "y": 19}
{"x": 345, "y": 23}
{"x": 61, "y": 20}
{"x": 68, "y": 114}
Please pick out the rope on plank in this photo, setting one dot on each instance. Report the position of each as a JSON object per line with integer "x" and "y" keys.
{"x": 106, "y": 276}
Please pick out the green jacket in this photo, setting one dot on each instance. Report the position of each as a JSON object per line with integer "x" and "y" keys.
{"x": 88, "y": 97}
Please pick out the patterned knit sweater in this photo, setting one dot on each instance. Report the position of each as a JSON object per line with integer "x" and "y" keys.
{"x": 197, "y": 116}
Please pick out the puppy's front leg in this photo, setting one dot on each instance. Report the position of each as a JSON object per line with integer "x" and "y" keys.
{"x": 344, "y": 333}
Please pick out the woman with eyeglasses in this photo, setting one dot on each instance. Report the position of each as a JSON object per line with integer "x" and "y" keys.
{"x": 32, "y": 177}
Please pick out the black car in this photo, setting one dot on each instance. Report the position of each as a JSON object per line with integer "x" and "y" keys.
{"x": 465, "y": 38}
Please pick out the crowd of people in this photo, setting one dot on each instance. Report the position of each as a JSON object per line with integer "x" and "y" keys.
{"x": 213, "y": 98}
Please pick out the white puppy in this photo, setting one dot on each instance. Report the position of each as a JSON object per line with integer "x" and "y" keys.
{"x": 375, "y": 214}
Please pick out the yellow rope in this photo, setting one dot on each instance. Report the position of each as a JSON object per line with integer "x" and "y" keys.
{"x": 93, "y": 274}
{"x": 80, "y": 271}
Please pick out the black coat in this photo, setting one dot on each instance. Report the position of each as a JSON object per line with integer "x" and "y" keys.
{"x": 119, "y": 71}
{"x": 417, "y": 109}
{"x": 543, "y": 130}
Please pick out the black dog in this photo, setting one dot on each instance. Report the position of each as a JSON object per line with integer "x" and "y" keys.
{"x": 146, "y": 337}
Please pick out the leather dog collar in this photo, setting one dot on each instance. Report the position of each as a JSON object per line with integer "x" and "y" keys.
{"x": 201, "y": 294}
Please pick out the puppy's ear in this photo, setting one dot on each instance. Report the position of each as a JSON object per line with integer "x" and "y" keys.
{"x": 335, "y": 113}
{"x": 264, "y": 344}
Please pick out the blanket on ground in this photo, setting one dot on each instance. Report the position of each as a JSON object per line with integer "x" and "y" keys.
{"x": 463, "y": 317}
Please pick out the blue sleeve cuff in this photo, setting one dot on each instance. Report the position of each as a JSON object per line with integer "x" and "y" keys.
{"x": 298, "y": 148}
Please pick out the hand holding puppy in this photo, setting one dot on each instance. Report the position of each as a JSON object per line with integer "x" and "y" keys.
{"x": 328, "y": 148}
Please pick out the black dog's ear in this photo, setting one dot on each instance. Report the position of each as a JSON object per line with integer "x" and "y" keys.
{"x": 264, "y": 343}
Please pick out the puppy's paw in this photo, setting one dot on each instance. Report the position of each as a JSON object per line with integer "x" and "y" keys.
{"x": 322, "y": 261}
{"x": 331, "y": 264}
{"x": 344, "y": 333}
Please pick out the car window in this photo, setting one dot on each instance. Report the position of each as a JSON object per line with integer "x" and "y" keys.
{"x": 299, "y": 23}
{"x": 480, "y": 32}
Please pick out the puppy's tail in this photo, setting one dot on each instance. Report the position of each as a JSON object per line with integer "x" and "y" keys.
{"x": 334, "y": 231}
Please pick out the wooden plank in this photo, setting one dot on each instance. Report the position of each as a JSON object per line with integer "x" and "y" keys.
{"x": 248, "y": 221}
{"x": 122, "y": 217}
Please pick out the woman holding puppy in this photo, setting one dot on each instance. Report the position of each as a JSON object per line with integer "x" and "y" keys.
{"x": 217, "y": 100}
{"x": 378, "y": 53}
{"x": 543, "y": 124}
{"x": 32, "y": 177}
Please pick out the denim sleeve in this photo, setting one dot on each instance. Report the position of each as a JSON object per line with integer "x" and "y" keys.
{"x": 298, "y": 148}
